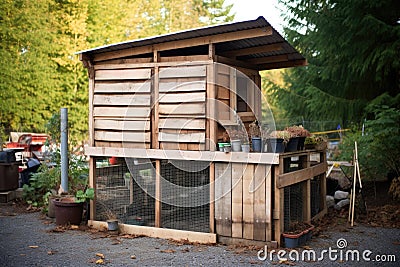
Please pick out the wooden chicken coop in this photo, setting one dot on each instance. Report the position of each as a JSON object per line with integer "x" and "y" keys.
{"x": 160, "y": 105}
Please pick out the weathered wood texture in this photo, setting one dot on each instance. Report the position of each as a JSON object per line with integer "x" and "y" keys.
{"x": 182, "y": 107}
{"x": 122, "y": 107}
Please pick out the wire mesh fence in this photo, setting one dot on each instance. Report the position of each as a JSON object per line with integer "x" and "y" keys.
{"x": 293, "y": 205}
{"x": 315, "y": 196}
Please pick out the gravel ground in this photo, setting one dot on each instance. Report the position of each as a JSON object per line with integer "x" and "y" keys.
{"x": 27, "y": 239}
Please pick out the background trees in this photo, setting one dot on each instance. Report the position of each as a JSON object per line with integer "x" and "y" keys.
{"x": 39, "y": 39}
{"x": 352, "y": 48}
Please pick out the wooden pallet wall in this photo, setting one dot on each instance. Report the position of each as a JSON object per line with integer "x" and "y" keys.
{"x": 122, "y": 107}
{"x": 182, "y": 107}
{"x": 243, "y": 201}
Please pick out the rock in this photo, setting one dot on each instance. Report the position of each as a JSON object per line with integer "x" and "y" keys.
{"x": 341, "y": 195}
{"x": 342, "y": 203}
{"x": 330, "y": 201}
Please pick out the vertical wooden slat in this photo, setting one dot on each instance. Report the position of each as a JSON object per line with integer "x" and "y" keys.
{"x": 268, "y": 203}
{"x": 259, "y": 203}
{"x": 306, "y": 191}
{"x": 237, "y": 200}
{"x": 248, "y": 201}
{"x": 223, "y": 199}
{"x": 158, "y": 195}
{"x": 212, "y": 197}
{"x": 91, "y": 96}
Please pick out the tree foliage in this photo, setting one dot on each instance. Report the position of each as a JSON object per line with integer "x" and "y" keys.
{"x": 352, "y": 48}
{"x": 41, "y": 72}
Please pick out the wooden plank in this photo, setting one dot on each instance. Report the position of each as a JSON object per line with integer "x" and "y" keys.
{"x": 211, "y": 129}
{"x": 237, "y": 200}
{"x": 125, "y": 87}
{"x": 254, "y": 50}
{"x": 122, "y": 100}
{"x": 301, "y": 175}
{"x": 123, "y": 74}
{"x": 118, "y": 145}
{"x": 156, "y": 105}
{"x": 191, "y": 42}
{"x": 158, "y": 189}
{"x": 223, "y": 199}
{"x": 182, "y": 123}
{"x": 182, "y": 137}
{"x": 125, "y": 112}
{"x": 126, "y": 125}
{"x": 122, "y": 136}
{"x": 182, "y": 97}
{"x": 185, "y": 71}
{"x": 233, "y": 95}
{"x": 212, "y": 197}
{"x": 182, "y": 109}
{"x": 259, "y": 203}
{"x": 248, "y": 201}
{"x": 237, "y": 157}
{"x": 178, "y": 235}
{"x": 268, "y": 203}
{"x": 191, "y": 86}
{"x": 92, "y": 184}
{"x": 278, "y": 212}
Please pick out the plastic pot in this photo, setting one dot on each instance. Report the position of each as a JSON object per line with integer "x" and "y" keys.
{"x": 256, "y": 144}
{"x": 235, "y": 144}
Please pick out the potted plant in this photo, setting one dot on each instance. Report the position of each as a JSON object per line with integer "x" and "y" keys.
{"x": 317, "y": 142}
{"x": 298, "y": 135}
{"x": 297, "y": 234}
{"x": 69, "y": 209}
{"x": 277, "y": 140}
{"x": 255, "y": 134}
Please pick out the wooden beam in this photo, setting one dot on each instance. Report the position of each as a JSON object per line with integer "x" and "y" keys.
{"x": 178, "y": 235}
{"x": 212, "y": 197}
{"x": 278, "y": 212}
{"x": 280, "y": 65}
{"x": 234, "y": 62}
{"x": 204, "y": 40}
{"x": 92, "y": 184}
{"x": 300, "y": 175}
{"x": 268, "y": 59}
{"x": 253, "y": 50}
{"x": 210, "y": 156}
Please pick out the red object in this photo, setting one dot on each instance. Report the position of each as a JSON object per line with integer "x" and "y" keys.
{"x": 113, "y": 160}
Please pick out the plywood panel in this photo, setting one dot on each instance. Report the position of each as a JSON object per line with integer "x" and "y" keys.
{"x": 122, "y": 100}
{"x": 182, "y": 123}
{"x": 182, "y": 137}
{"x": 248, "y": 201}
{"x": 182, "y": 97}
{"x": 123, "y": 74}
{"x": 122, "y": 136}
{"x": 126, "y": 87}
{"x": 142, "y": 125}
{"x": 184, "y": 86}
{"x": 237, "y": 200}
{"x": 259, "y": 203}
{"x": 182, "y": 109}
{"x": 185, "y": 71}
{"x": 128, "y": 112}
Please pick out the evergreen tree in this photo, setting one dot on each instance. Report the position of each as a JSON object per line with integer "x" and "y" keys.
{"x": 353, "y": 51}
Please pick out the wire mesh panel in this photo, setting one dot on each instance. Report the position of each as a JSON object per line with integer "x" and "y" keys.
{"x": 315, "y": 196}
{"x": 185, "y": 195}
{"x": 125, "y": 191}
{"x": 293, "y": 205}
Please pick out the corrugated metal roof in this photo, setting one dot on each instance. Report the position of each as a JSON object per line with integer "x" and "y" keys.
{"x": 260, "y": 22}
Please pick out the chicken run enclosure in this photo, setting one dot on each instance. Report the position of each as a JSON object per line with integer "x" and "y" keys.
{"x": 159, "y": 106}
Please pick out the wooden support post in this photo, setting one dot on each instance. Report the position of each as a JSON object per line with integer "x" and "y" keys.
{"x": 92, "y": 184}
{"x": 306, "y": 163}
{"x": 155, "y": 103}
{"x": 268, "y": 203}
{"x": 212, "y": 197}
{"x": 158, "y": 195}
{"x": 211, "y": 125}
{"x": 279, "y": 203}
{"x": 233, "y": 95}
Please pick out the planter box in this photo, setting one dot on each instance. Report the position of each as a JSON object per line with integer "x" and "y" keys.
{"x": 8, "y": 176}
